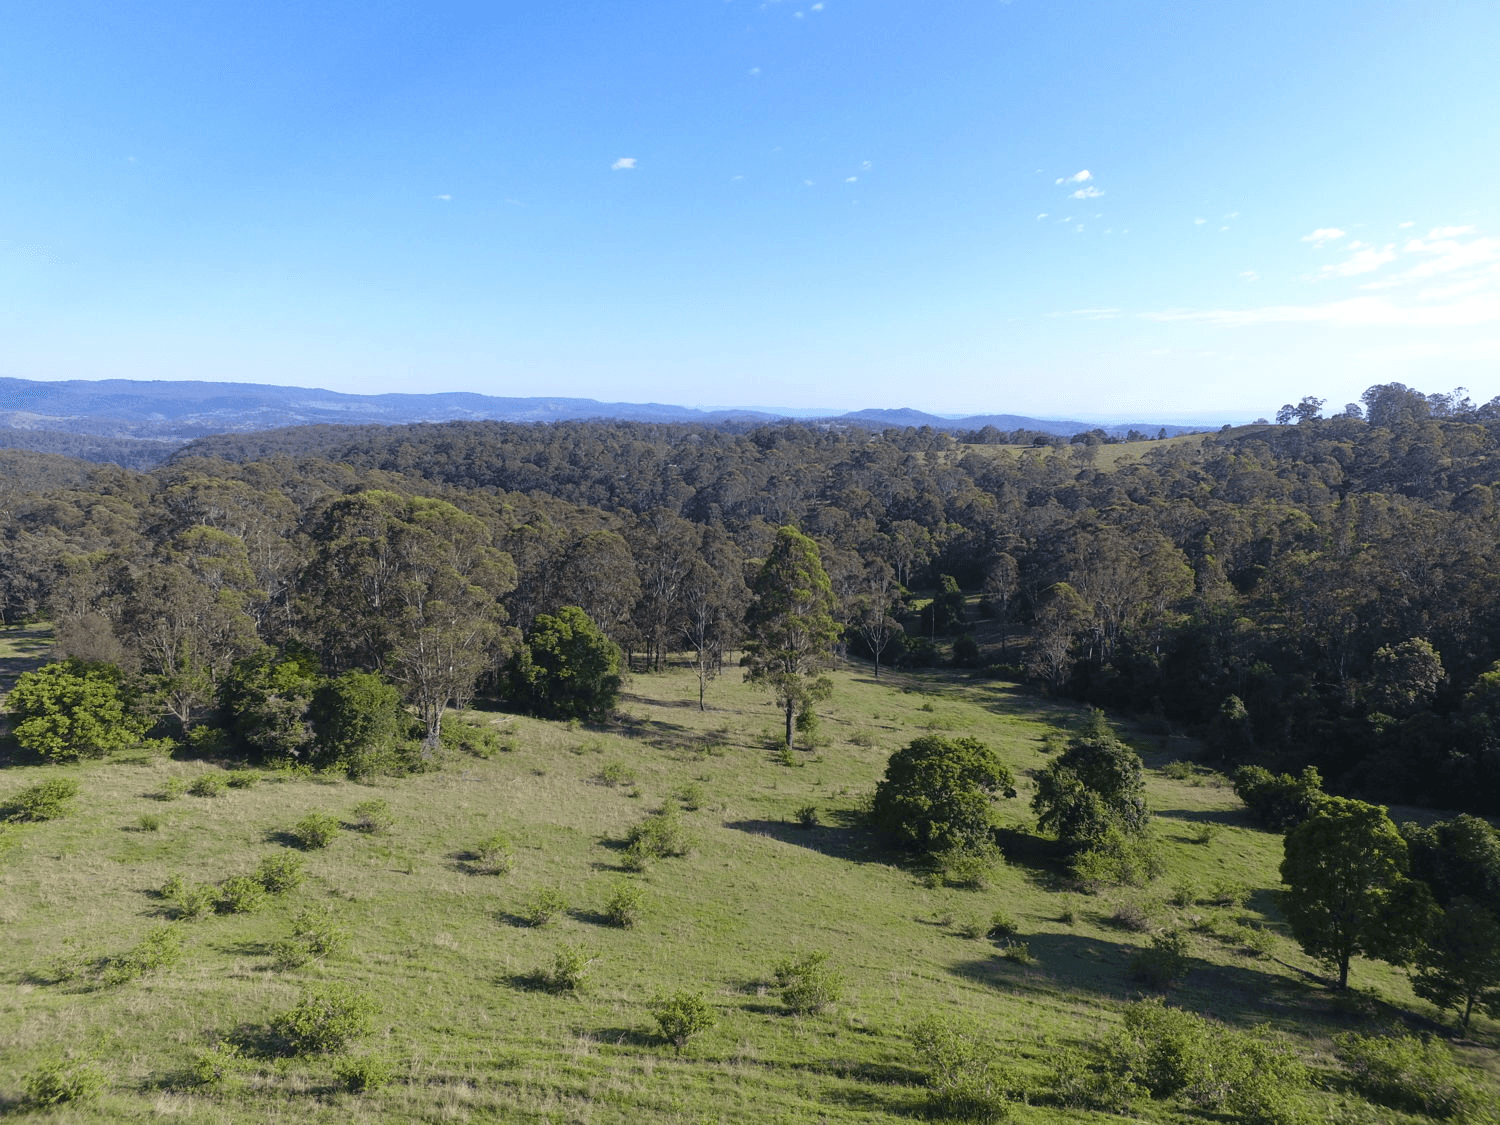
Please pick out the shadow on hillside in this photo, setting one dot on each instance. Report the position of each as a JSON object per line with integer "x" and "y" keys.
{"x": 839, "y": 841}
{"x": 1236, "y": 818}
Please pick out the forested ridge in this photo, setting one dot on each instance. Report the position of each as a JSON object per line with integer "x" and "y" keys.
{"x": 1320, "y": 591}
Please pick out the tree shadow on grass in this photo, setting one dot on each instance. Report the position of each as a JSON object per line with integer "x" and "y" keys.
{"x": 625, "y": 1037}
{"x": 839, "y": 841}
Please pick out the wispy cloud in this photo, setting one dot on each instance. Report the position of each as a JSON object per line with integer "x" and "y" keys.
{"x": 851, "y": 179}
{"x": 1082, "y": 177}
{"x": 624, "y": 164}
{"x": 444, "y": 198}
{"x": 1250, "y": 275}
{"x": 753, "y": 72}
{"x": 1089, "y": 192}
{"x": 1365, "y": 259}
{"x": 1324, "y": 235}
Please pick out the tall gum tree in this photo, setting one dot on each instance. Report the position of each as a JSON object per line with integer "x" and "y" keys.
{"x": 790, "y": 625}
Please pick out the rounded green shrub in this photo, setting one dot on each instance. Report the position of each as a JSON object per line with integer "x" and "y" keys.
{"x": 62, "y": 1081}
{"x": 495, "y": 855}
{"x": 569, "y": 969}
{"x": 626, "y": 906}
{"x": 325, "y": 1020}
{"x": 47, "y": 800}
{"x": 808, "y": 984}
{"x": 545, "y": 904}
{"x": 681, "y": 1016}
{"x": 240, "y": 894}
{"x": 209, "y": 785}
{"x": 315, "y": 830}
{"x": 372, "y": 817}
{"x": 279, "y": 874}
{"x": 361, "y": 1073}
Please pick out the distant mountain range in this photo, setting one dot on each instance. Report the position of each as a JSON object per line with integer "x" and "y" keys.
{"x": 170, "y": 413}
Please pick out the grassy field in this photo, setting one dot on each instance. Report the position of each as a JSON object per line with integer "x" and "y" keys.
{"x": 445, "y": 954}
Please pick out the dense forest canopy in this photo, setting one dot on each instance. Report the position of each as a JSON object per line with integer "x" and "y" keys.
{"x": 1320, "y": 591}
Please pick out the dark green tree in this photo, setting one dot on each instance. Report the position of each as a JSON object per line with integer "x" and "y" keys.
{"x": 1093, "y": 789}
{"x": 937, "y": 795}
{"x": 1347, "y": 889}
{"x": 1458, "y": 967}
{"x": 73, "y": 710}
{"x": 359, "y": 722}
{"x": 266, "y": 700}
{"x": 566, "y": 669}
{"x": 790, "y": 626}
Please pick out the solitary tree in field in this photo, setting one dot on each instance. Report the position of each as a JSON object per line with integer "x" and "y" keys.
{"x": 73, "y": 710}
{"x": 937, "y": 795}
{"x": 790, "y": 626}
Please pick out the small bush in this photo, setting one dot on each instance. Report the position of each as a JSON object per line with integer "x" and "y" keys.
{"x": 314, "y": 936}
{"x": 495, "y": 855}
{"x": 808, "y": 984}
{"x": 161, "y": 948}
{"x": 1205, "y": 833}
{"x": 626, "y": 907}
{"x": 1018, "y": 951}
{"x": 325, "y": 1020}
{"x": 62, "y": 1082}
{"x": 964, "y": 1078}
{"x": 149, "y": 822}
{"x": 242, "y": 779}
{"x": 681, "y": 1016}
{"x": 192, "y": 900}
{"x": 474, "y": 737}
{"x": 315, "y": 830}
{"x": 1068, "y": 915}
{"x": 658, "y": 836}
{"x": 544, "y": 904}
{"x": 1002, "y": 927}
{"x": 1183, "y": 894}
{"x": 966, "y": 869}
{"x": 1179, "y": 771}
{"x": 807, "y": 816}
{"x": 241, "y": 894}
{"x": 362, "y": 1073}
{"x": 1163, "y": 963}
{"x": 279, "y": 874}
{"x": 209, "y": 785}
{"x": 220, "y": 1067}
{"x": 570, "y": 966}
{"x": 1131, "y": 916}
{"x": 693, "y": 796}
{"x": 1226, "y": 892}
{"x": 614, "y": 774}
{"x": 46, "y": 800}
{"x": 862, "y": 738}
{"x": 372, "y": 817}
{"x": 1404, "y": 1072}
{"x": 173, "y": 789}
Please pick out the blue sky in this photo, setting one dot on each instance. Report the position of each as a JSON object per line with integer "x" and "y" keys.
{"x": 1064, "y": 208}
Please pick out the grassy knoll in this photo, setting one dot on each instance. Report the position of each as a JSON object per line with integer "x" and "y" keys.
{"x": 467, "y": 1026}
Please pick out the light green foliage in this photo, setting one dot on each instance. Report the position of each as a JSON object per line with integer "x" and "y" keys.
{"x": 73, "y": 710}
{"x": 807, "y": 816}
{"x": 209, "y": 785}
{"x": 569, "y": 969}
{"x": 1347, "y": 891}
{"x": 614, "y": 774}
{"x": 1001, "y": 927}
{"x": 545, "y": 904}
{"x": 360, "y": 724}
{"x": 790, "y": 626}
{"x": 937, "y": 793}
{"x": 658, "y": 836}
{"x": 495, "y": 855}
{"x": 1407, "y": 1073}
{"x": 279, "y": 873}
{"x": 681, "y": 1016}
{"x": 242, "y": 779}
{"x": 1092, "y": 796}
{"x": 314, "y": 936}
{"x": 161, "y": 948}
{"x": 808, "y": 984}
{"x": 240, "y": 894}
{"x": 326, "y": 1019}
{"x": 372, "y": 817}
{"x": 361, "y": 1074}
{"x": 566, "y": 669}
{"x": 149, "y": 822}
{"x": 463, "y": 734}
{"x": 190, "y": 900}
{"x": 965, "y": 1079}
{"x": 46, "y": 800}
{"x": 315, "y": 830}
{"x": 220, "y": 1067}
{"x": 626, "y": 907}
{"x": 693, "y": 796}
{"x": 63, "y": 1082}
{"x": 173, "y": 789}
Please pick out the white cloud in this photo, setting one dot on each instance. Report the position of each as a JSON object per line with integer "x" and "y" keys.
{"x": 1324, "y": 234}
{"x": 1082, "y": 177}
{"x": 1087, "y": 193}
{"x": 1095, "y": 314}
{"x": 817, "y": 8}
{"x": 1355, "y": 311}
{"x": 1449, "y": 232}
{"x": 1250, "y": 275}
{"x": 808, "y": 183}
{"x": 1366, "y": 260}
{"x": 754, "y": 72}
{"x": 1404, "y": 226}
{"x": 624, "y": 164}
{"x": 1199, "y": 222}
{"x": 851, "y": 179}
{"x": 865, "y": 165}
{"x": 1043, "y": 215}
{"x": 444, "y": 198}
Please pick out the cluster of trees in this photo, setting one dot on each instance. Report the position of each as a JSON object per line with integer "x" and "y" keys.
{"x": 1318, "y": 592}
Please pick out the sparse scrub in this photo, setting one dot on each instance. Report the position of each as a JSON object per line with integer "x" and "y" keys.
{"x": 808, "y": 984}
{"x": 682, "y": 1016}
{"x": 1002, "y": 927}
{"x": 1411, "y": 1074}
{"x": 569, "y": 969}
{"x": 191, "y": 901}
{"x": 1163, "y": 963}
{"x": 240, "y": 894}
{"x": 47, "y": 800}
{"x": 63, "y": 1082}
{"x": 372, "y": 817}
{"x": 173, "y": 788}
{"x": 545, "y": 904}
{"x": 495, "y": 855}
{"x": 693, "y": 796}
{"x": 807, "y": 816}
{"x": 359, "y": 1074}
{"x": 314, "y": 936}
{"x": 325, "y": 1020}
{"x": 279, "y": 874}
{"x": 1131, "y": 916}
{"x": 615, "y": 774}
{"x": 1017, "y": 951}
{"x": 659, "y": 836}
{"x": 315, "y": 830}
{"x": 149, "y": 822}
{"x": 626, "y": 907}
{"x": 161, "y": 948}
{"x": 220, "y": 1067}
{"x": 209, "y": 785}
{"x": 965, "y": 1080}
{"x": 242, "y": 779}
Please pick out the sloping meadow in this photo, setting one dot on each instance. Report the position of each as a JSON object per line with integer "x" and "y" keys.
{"x": 475, "y": 914}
